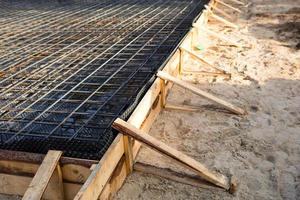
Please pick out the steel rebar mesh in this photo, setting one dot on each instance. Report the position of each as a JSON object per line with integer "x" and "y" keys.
{"x": 69, "y": 68}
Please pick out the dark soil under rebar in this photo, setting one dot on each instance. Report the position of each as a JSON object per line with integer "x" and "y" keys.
{"x": 68, "y": 68}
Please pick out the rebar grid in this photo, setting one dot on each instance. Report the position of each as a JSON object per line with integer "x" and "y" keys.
{"x": 69, "y": 68}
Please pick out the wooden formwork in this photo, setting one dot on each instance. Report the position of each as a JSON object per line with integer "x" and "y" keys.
{"x": 92, "y": 179}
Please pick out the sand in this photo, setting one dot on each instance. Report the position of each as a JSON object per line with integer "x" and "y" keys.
{"x": 262, "y": 149}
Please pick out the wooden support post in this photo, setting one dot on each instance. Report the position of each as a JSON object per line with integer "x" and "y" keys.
{"x": 128, "y": 153}
{"x": 42, "y": 177}
{"x": 181, "y": 58}
{"x": 212, "y": 177}
{"x": 229, "y": 6}
{"x": 221, "y": 37}
{"x": 163, "y": 92}
{"x": 220, "y": 19}
{"x": 182, "y": 108}
{"x": 202, "y": 93}
{"x": 201, "y": 59}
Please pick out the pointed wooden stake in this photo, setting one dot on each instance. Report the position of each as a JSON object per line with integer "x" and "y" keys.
{"x": 237, "y": 2}
{"x": 202, "y": 60}
{"x": 210, "y": 176}
{"x": 229, "y": 6}
{"x": 221, "y": 37}
{"x": 225, "y": 104}
{"x": 220, "y": 19}
{"x": 221, "y": 12}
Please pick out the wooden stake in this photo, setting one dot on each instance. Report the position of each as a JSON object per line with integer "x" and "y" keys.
{"x": 229, "y": 6}
{"x": 201, "y": 59}
{"x": 221, "y": 12}
{"x": 42, "y": 177}
{"x": 205, "y": 73}
{"x": 221, "y": 37}
{"x": 174, "y": 176}
{"x": 202, "y": 93}
{"x": 201, "y": 170}
{"x": 163, "y": 93}
{"x": 220, "y": 18}
{"x": 182, "y": 108}
{"x": 237, "y": 2}
{"x": 128, "y": 153}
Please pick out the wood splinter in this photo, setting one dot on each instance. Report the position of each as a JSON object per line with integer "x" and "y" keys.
{"x": 208, "y": 175}
{"x": 195, "y": 90}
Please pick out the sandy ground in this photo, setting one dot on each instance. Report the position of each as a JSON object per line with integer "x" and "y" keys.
{"x": 261, "y": 149}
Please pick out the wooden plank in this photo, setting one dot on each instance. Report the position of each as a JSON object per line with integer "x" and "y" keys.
{"x": 214, "y": 8}
{"x": 36, "y": 158}
{"x": 183, "y": 108}
{"x": 237, "y": 2}
{"x": 201, "y": 170}
{"x": 117, "y": 178}
{"x": 229, "y": 6}
{"x": 71, "y": 172}
{"x": 42, "y": 177}
{"x": 128, "y": 153}
{"x": 17, "y": 185}
{"x": 220, "y": 19}
{"x": 102, "y": 172}
{"x": 174, "y": 176}
{"x": 58, "y": 183}
{"x": 205, "y": 73}
{"x": 202, "y": 93}
{"x": 75, "y": 173}
{"x": 163, "y": 93}
{"x": 202, "y": 59}
{"x": 219, "y": 36}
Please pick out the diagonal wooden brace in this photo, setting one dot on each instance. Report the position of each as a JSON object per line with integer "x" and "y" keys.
{"x": 208, "y": 175}
{"x": 42, "y": 177}
{"x": 195, "y": 90}
{"x": 204, "y": 61}
{"x": 237, "y": 2}
{"x": 214, "y": 8}
{"x": 229, "y": 6}
{"x": 220, "y": 19}
{"x": 221, "y": 37}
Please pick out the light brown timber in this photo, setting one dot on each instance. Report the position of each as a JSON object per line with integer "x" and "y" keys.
{"x": 229, "y": 6}
{"x": 42, "y": 177}
{"x": 202, "y": 93}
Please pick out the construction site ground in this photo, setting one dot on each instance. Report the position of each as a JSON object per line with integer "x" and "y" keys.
{"x": 261, "y": 149}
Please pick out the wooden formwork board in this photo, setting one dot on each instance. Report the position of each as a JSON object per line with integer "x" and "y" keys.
{"x": 90, "y": 179}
